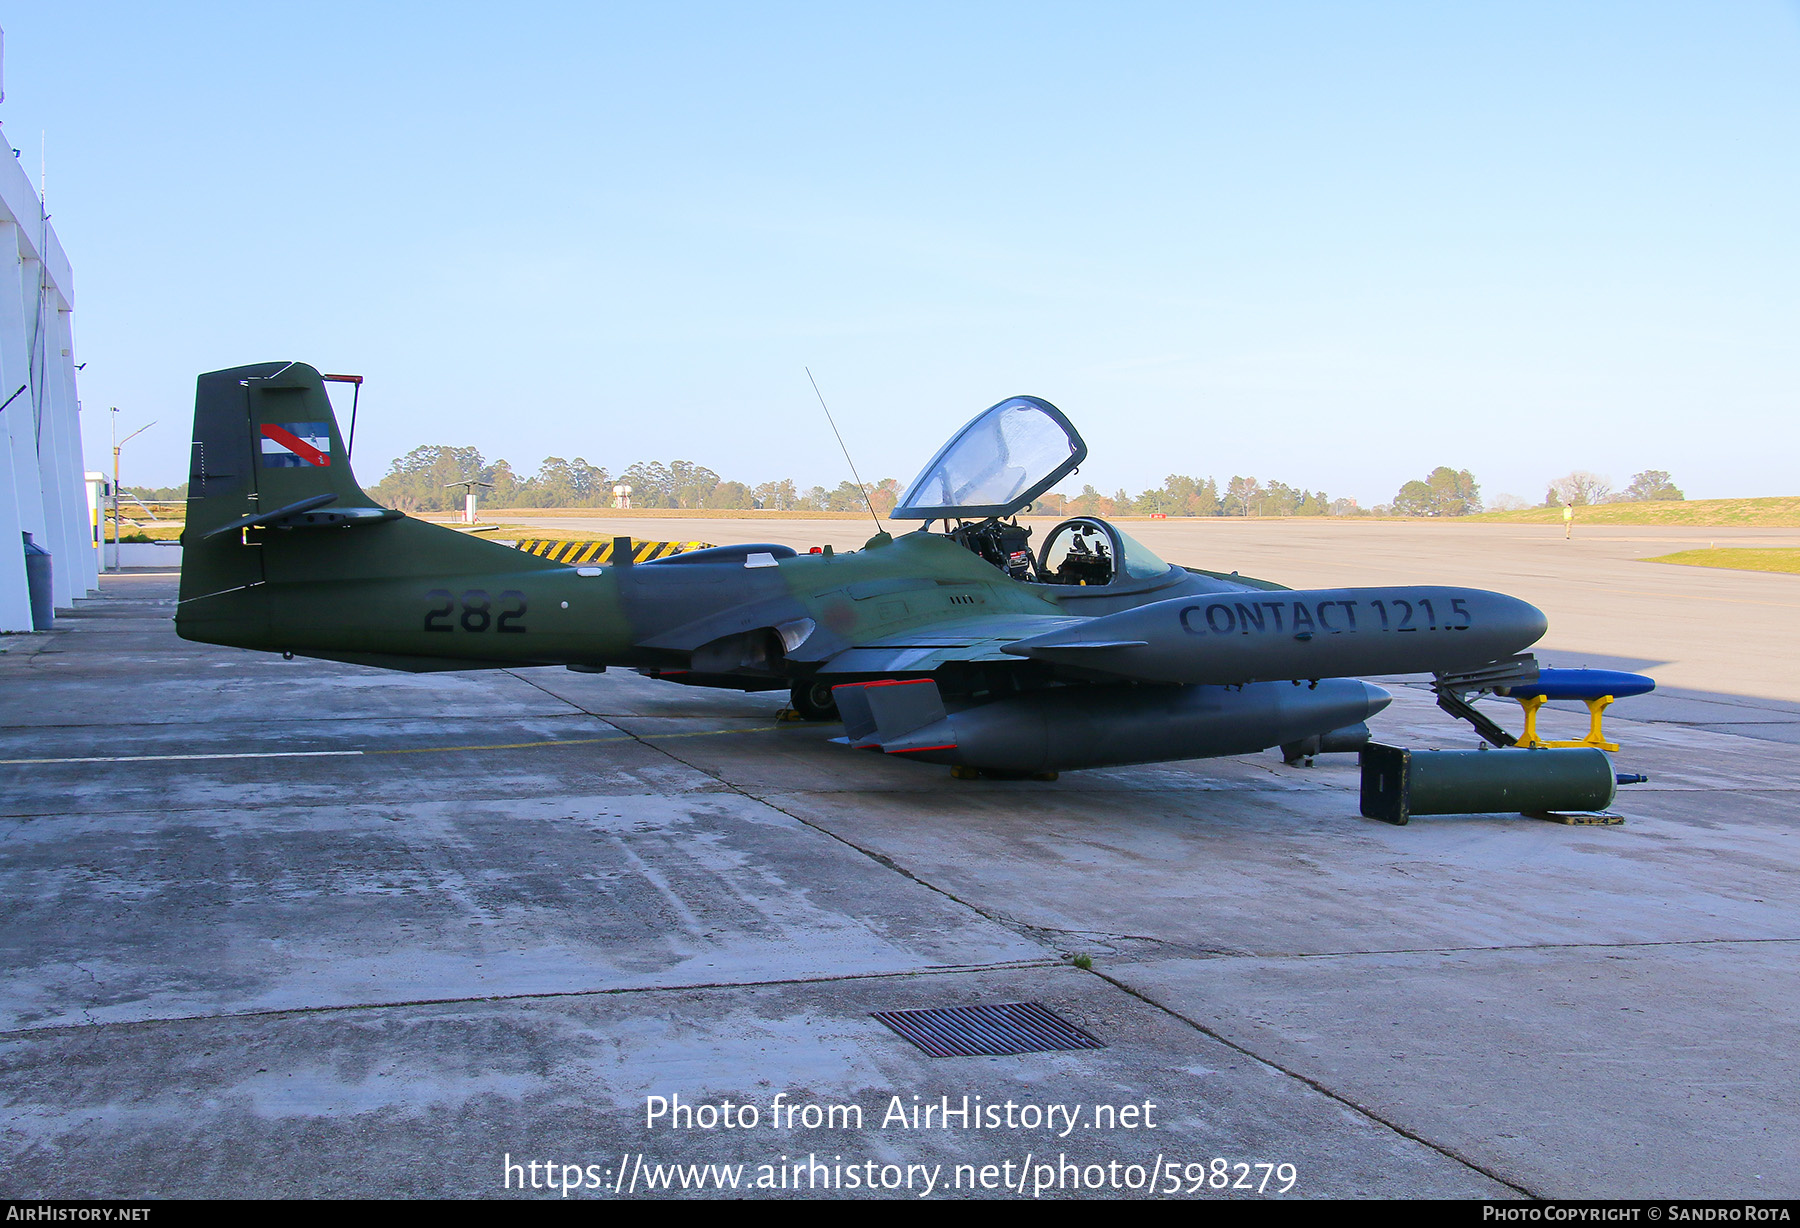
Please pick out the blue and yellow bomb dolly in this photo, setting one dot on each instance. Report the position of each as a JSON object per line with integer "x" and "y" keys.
{"x": 1595, "y": 687}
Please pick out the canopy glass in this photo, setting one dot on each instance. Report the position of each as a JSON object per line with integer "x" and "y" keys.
{"x": 1005, "y": 458}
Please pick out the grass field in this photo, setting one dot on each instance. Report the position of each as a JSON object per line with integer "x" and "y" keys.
{"x": 1780, "y": 512}
{"x": 130, "y": 530}
{"x": 1736, "y": 559}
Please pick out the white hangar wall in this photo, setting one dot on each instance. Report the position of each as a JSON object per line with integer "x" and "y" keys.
{"x": 42, "y": 479}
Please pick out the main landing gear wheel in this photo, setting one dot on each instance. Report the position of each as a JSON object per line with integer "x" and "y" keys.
{"x": 814, "y": 701}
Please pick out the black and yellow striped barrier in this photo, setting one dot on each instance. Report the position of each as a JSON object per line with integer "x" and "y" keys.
{"x": 559, "y": 551}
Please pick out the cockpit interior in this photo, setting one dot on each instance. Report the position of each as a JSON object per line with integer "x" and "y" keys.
{"x": 989, "y": 473}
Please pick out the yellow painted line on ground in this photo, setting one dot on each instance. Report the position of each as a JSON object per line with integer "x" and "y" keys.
{"x": 707, "y": 733}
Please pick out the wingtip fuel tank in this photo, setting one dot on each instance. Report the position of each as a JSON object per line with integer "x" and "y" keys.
{"x": 1237, "y": 638}
{"x": 1065, "y": 728}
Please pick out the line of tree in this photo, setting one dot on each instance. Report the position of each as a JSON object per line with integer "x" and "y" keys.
{"x": 1448, "y": 492}
{"x": 1443, "y": 492}
{"x": 422, "y": 481}
{"x": 1181, "y": 495}
{"x": 425, "y": 480}
{"x": 1581, "y": 487}
{"x": 157, "y": 494}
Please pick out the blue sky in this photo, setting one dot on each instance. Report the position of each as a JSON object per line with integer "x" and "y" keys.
{"x": 1331, "y": 244}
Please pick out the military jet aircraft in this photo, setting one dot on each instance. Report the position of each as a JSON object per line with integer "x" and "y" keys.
{"x": 960, "y": 645}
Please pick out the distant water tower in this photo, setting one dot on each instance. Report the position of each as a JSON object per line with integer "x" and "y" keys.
{"x": 468, "y": 496}
{"x": 622, "y": 496}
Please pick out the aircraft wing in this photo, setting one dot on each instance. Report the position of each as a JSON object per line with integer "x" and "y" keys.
{"x": 980, "y": 638}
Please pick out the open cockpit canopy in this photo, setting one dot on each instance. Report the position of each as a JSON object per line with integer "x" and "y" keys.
{"x": 1008, "y": 456}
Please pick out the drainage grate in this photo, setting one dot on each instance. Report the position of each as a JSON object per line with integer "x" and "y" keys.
{"x": 988, "y": 1031}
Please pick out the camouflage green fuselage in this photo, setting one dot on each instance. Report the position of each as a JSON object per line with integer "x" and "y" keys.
{"x": 410, "y": 594}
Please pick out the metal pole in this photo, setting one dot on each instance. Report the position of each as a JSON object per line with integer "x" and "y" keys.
{"x": 118, "y": 444}
{"x": 115, "y": 488}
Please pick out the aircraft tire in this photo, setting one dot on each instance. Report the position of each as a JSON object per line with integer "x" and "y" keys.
{"x": 813, "y": 700}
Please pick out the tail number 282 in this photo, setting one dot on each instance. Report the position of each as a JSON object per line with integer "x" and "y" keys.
{"x": 478, "y": 612}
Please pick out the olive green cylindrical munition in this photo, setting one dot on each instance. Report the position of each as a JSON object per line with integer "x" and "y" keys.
{"x": 1398, "y": 783}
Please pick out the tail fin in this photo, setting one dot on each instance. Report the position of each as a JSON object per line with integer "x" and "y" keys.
{"x": 265, "y": 437}
{"x": 266, "y": 451}
{"x": 268, "y": 457}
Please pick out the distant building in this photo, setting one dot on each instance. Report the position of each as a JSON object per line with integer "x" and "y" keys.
{"x": 42, "y": 478}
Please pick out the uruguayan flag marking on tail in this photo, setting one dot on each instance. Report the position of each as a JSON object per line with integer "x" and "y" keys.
{"x": 292, "y": 444}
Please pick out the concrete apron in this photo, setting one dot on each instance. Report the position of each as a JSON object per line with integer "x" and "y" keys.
{"x": 425, "y": 935}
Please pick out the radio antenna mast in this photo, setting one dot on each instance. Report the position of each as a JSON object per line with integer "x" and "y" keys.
{"x": 853, "y": 473}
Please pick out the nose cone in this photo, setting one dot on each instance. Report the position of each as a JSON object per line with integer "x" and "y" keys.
{"x": 1376, "y": 698}
{"x": 1523, "y": 621}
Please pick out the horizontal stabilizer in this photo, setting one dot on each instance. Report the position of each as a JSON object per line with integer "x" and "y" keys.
{"x": 306, "y": 514}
